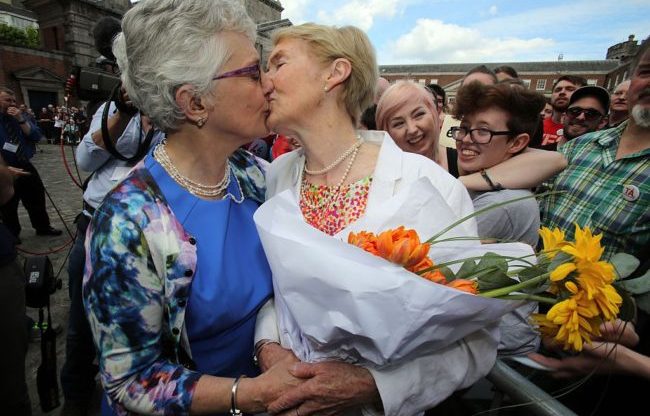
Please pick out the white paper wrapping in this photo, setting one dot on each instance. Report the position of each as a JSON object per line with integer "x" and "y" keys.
{"x": 334, "y": 300}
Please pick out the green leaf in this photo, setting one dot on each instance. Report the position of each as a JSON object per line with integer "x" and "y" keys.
{"x": 643, "y": 302}
{"x": 625, "y": 264}
{"x": 490, "y": 260}
{"x": 494, "y": 280}
{"x": 448, "y": 273}
{"x": 466, "y": 270}
{"x": 530, "y": 272}
{"x": 561, "y": 258}
{"x": 627, "y": 311}
{"x": 637, "y": 286}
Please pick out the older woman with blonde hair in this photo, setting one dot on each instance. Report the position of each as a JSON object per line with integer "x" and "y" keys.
{"x": 319, "y": 80}
{"x": 407, "y": 111}
{"x": 175, "y": 272}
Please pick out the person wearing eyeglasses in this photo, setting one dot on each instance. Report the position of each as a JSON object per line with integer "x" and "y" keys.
{"x": 563, "y": 88}
{"x": 587, "y": 112}
{"x": 175, "y": 271}
{"x": 408, "y": 113}
{"x": 606, "y": 185}
{"x": 497, "y": 123}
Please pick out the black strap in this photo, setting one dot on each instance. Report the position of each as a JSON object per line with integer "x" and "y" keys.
{"x": 106, "y": 137}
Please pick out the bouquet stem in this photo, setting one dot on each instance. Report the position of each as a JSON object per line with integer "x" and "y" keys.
{"x": 503, "y": 291}
{"x": 536, "y": 298}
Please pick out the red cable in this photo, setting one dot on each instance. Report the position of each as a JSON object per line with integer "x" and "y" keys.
{"x": 54, "y": 250}
{"x": 65, "y": 163}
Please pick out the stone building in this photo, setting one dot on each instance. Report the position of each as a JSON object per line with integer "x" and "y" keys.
{"x": 538, "y": 76}
{"x": 38, "y": 76}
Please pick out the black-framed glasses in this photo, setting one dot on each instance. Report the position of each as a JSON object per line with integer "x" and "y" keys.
{"x": 479, "y": 135}
{"x": 589, "y": 113}
{"x": 252, "y": 71}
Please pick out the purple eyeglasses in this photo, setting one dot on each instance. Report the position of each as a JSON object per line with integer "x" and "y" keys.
{"x": 253, "y": 71}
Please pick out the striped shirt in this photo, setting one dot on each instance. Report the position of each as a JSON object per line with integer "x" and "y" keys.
{"x": 608, "y": 195}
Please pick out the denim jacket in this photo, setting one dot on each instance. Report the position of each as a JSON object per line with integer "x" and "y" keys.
{"x": 139, "y": 268}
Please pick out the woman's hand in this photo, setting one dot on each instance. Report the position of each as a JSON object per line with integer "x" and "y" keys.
{"x": 329, "y": 388}
{"x": 271, "y": 384}
{"x": 271, "y": 353}
{"x": 599, "y": 357}
{"x": 620, "y": 332}
{"x": 610, "y": 356}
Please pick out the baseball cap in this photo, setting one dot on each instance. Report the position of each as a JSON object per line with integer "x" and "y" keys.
{"x": 599, "y": 93}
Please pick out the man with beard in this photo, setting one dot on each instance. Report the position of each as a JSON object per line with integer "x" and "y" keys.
{"x": 563, "y": 88}
{"x": 607, "y": 182}
{"x": 587, "y": 112}
{"x": 608, "y": 190}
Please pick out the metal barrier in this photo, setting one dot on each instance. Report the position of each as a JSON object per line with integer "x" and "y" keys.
{"x": 522, "y": 391}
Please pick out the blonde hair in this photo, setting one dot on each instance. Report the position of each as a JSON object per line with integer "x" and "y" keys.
{"x": 396, "y": 96}
{"x": 329, "y": 43}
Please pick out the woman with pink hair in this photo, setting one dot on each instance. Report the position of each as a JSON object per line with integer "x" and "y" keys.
{"x": 408, "y": 112}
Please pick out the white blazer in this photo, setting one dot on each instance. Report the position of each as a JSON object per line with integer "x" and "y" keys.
{"x": 408, "y": 388}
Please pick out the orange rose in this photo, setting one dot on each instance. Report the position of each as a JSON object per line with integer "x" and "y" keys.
{"x": 365, "y": 240}
{"x": 402, "y": 247}
{"x": 436, "y": 277}
{"x": 465, "y": 285}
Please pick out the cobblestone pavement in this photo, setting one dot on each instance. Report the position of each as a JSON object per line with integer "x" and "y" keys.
{"x": 66, "y": 197}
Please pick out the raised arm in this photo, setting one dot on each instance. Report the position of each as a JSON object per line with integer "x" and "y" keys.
{"x": 524, "y": 171}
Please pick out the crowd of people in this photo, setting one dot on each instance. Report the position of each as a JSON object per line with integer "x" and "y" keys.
{"x": 171, "y": 294}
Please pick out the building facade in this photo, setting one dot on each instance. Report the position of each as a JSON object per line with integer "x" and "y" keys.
{"x": 38, "y": 75}
{"x": 537, "y": 76}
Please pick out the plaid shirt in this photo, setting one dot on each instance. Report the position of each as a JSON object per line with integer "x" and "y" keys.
{"x": 608, "y": 195}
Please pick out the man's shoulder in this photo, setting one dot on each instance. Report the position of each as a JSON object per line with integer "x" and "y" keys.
{"x": 593, "y": 141}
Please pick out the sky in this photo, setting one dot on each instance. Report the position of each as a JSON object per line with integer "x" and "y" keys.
{"x": 448, "y": 31}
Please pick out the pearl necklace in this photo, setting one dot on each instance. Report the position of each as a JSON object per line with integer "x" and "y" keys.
{"x": 333, "y": 194}
{"x": 195, "y": 188}
{"x": 338, "y": 161}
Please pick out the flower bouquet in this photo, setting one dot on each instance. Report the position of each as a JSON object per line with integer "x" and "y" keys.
{"x": 375, "y": 294}
{"x": 335, "y": 300}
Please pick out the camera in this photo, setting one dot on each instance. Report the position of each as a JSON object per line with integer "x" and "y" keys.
{"x": 40, "y": 281}
{"x": 96, "y": 83}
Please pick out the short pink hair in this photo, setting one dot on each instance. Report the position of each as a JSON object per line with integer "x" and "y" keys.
{"x": 398, "y": 95}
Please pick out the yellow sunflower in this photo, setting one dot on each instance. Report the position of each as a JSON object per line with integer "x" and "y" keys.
{"x": 553, "y": 241}
{"x": 577, "y": 318}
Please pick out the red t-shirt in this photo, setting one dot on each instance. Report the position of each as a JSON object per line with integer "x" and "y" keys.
{"x": 552, "y": 133}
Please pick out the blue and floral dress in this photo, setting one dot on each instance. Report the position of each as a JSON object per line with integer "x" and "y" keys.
{"x": 170, "y": 276}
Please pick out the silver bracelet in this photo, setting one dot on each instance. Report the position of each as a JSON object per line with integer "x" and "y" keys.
{"x": 233, "y": 397}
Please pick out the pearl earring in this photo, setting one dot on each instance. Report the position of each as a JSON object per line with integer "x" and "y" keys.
{"x": 200, "y": 122}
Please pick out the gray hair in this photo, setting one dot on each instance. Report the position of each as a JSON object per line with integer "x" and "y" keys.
{"x": 165, "y": 44}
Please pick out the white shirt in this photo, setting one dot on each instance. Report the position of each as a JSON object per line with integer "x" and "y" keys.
{"x": 409, "y": 388}
{"x": 108, "y": 170}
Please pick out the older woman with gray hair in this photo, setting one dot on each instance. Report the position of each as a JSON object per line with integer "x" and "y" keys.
{"x": 175, "y": 272}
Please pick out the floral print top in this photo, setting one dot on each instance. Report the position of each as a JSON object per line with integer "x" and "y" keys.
{"x": 139, "y": 268}
{"x": 330, "y": 210}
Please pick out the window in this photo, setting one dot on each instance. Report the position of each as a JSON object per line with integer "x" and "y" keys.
{"x": 434, "y": 81}
{"x": 592, "y": 82}
{"x": 422, "y": 81}
{"x": 609, "y": 84}
{"x": 526, "y": 83}
{"x": 616, "y": 82}
{"x": 541, "y": 85}
{"x": 624, "y": 76}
